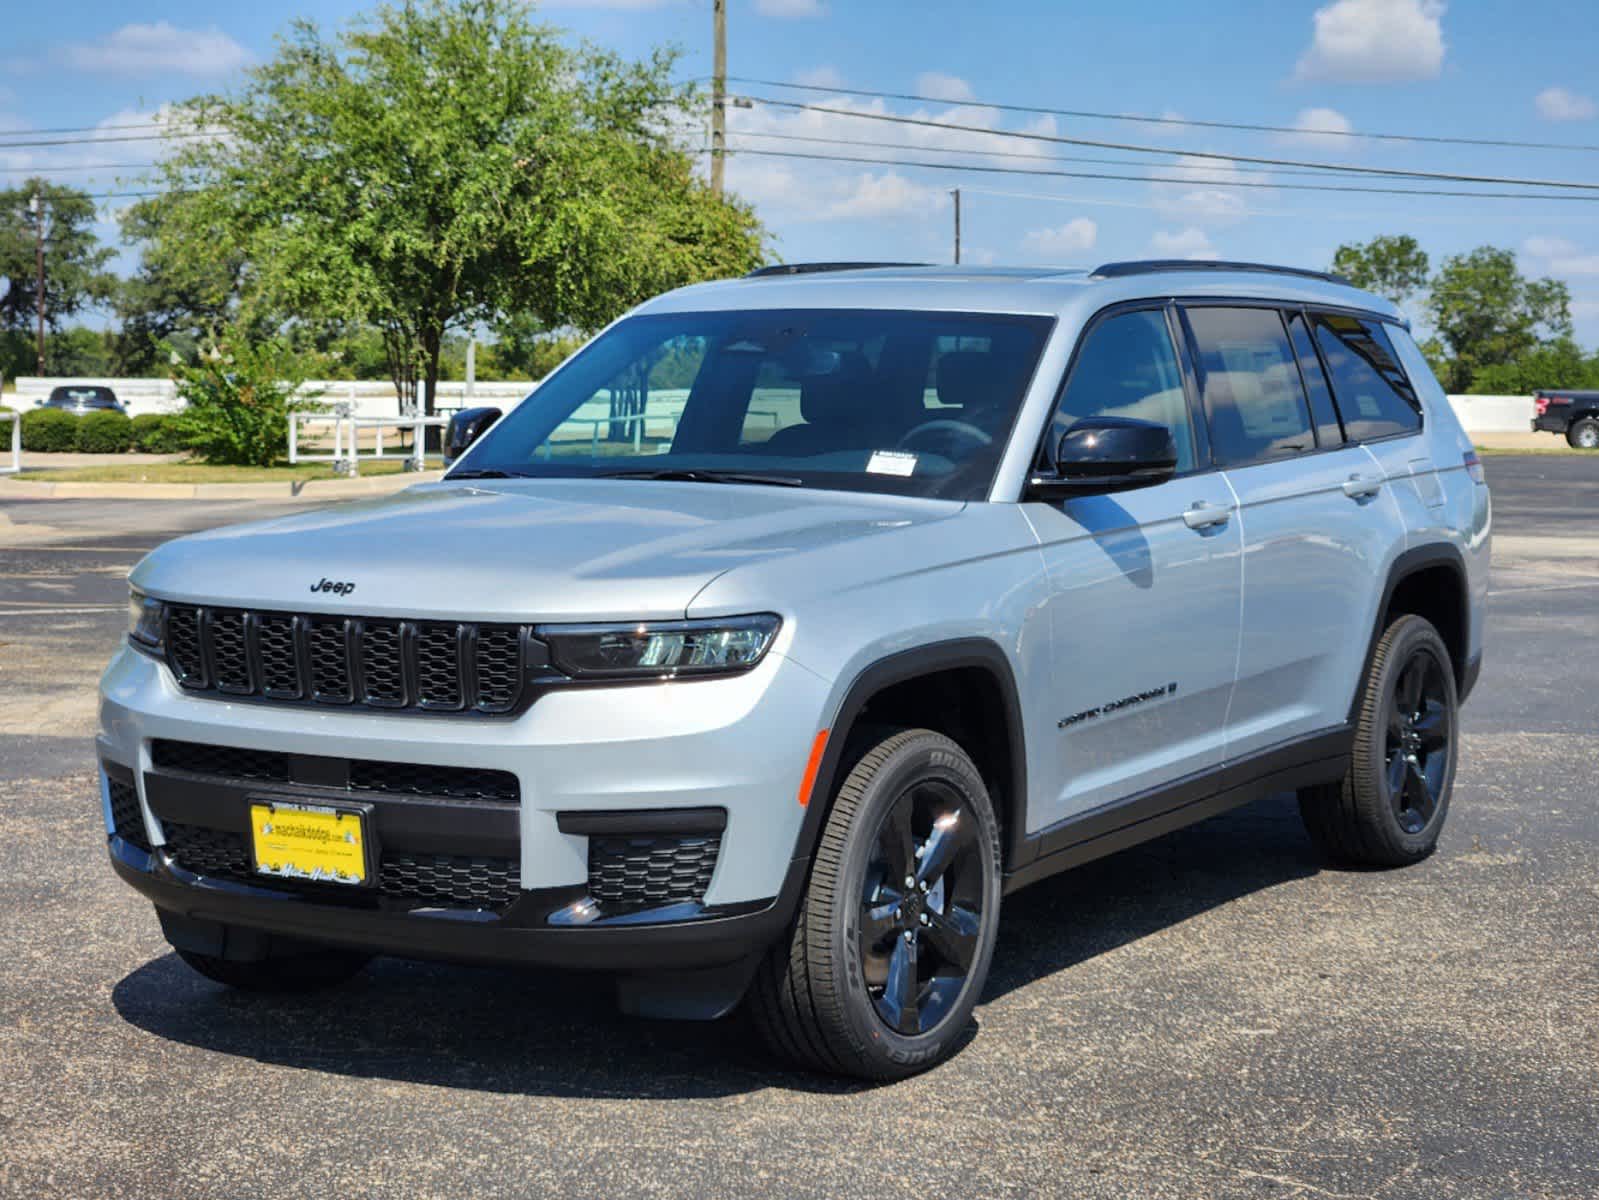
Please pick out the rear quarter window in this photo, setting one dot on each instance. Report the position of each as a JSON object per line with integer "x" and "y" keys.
{"x": 1375, "y": 397}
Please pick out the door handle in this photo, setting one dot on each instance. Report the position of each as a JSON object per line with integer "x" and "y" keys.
{"x": 1205, "y": 516}
{"x": 1358, "y": 487}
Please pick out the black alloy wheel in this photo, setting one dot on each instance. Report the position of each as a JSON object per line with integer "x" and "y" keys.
{"x": 1420, "y": 727}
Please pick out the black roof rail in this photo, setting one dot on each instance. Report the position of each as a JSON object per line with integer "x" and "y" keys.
{"x": 1150, "y": 266}
{"x": 818, "y": 267}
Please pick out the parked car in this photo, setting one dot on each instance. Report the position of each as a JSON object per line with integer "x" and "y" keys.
{"x": 1573, "y": 413}
{"x": 795, "y": 621}
{"x": 83, "y": 398}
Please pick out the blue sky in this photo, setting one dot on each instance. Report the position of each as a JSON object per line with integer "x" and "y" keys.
{"x": 1522, "y": 72}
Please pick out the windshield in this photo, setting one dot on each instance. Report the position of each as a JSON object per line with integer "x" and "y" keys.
{"x": 82, "y": 397}
{"x": 912, "y": 403}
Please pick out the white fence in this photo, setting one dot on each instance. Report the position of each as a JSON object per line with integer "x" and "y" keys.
{"x": 347, "y": 441}
{"x": 1494, "y": 414}
{"x": 15, "y": 465}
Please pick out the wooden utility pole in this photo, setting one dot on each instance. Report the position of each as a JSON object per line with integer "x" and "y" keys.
{"x": 718, "y": 95}
{"x": 38, "y": 285}
{"x": 956, "y": 192}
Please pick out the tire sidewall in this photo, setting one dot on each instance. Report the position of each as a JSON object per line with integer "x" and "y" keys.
{"x": 929, "y": 756}
{"x": 1416, "y": 636}
{"x": 1588, "y": 427}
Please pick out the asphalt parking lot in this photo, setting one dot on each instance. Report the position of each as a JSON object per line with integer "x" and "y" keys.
{"x": 1213, "y": 1014}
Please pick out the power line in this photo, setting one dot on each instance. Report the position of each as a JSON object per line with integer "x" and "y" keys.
{"x": 1056, "y": 139}
{"x": 83, "y": 128}
{"x": 1188, "y": 181}
{"x": 1178, "y": 122}
{"x": 52, "y": 170}
{"x": 96, "y": 141}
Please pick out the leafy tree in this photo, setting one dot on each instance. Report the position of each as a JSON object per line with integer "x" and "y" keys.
{"x": 444, "y": 162}
{"x": 1486, "y": 312}
{"x": 1393, "y": 266}
{"x": 74, "y": 261}
{"x": 1559, "y": 363}
{"x": 238, "y": 395}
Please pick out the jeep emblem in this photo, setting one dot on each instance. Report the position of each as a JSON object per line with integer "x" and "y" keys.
{"x": 337, "y": 587}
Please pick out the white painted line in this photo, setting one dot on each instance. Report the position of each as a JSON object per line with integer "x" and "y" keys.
{"x": 1543, "y": 587}
{"x": 60, "y": 612}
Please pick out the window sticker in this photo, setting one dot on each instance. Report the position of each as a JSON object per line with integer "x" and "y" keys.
{"x": 891, "y": 462}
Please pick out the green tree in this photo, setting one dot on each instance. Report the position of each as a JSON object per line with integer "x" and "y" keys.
{"x": 1393, "y": 266}
{"x": 75, "y": 277}
{"x": 238, "y": 394}
{"x": 443, "y": 162}
{"x": 1559, "y": 363}
{"x": 1487, "y": 312}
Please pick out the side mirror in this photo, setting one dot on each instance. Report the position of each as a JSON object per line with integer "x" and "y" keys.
{"x": 466, "y": 427}
{"x": 1108, "y": 454}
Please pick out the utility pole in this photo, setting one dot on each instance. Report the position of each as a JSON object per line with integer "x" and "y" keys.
{"x": 37, "y": 204}
{"x": 956, "y": 192}
{"x": 718, "y": 95}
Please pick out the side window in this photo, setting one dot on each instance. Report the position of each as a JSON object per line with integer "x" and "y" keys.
{"x": 1328, "y": 431}
{"x": 1373, "y": 395}
{"x": 1249, "y": 380}
{"x": 1127, "y": 367}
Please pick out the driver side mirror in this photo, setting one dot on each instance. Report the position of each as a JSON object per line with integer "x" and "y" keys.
{"x": 1107, "y": 454}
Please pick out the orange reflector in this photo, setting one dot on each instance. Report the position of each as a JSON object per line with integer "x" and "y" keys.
{"x": 812, "y": 765}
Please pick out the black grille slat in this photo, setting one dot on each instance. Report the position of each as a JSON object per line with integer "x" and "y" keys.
{"x": 652, "y": 869}
{"x": 225, "y": 762}
{"x": 126, "y": 819}
{"x": 372, "y": 662}
{"x": 212, "y": 852}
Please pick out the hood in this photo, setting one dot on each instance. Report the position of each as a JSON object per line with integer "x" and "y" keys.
{"x": 518, "y": 550}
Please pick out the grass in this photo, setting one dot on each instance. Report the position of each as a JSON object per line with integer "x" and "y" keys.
{"x": 197, "y": 472}
{"x": 1557, "y": 448}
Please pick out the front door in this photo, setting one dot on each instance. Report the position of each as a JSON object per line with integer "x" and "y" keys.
{"x": 1144, "y": 588}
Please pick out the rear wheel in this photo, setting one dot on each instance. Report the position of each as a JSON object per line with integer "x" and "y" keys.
{"x": 306, "y": 971}
{"x": 1583, "y": 434}
{"x": 887, "y": 957}
{"x": 1389, "y": 808}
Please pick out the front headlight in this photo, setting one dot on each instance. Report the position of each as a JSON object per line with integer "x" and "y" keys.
{"x": 661, "y": 649}
{"x": 144, "y": 621}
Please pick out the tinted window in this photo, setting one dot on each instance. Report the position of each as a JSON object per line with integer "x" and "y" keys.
{"x": 1374, "y": 397}
{"x": 1249, "y": 380}
{"x": 1127, "y": 367}
{"x": 915, "y": 403}
{"x": 82, "y": 397}
{"x": 1328, "y": 431}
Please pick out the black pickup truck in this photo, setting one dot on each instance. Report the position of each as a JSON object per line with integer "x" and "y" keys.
{"x": 1575, "y": 414}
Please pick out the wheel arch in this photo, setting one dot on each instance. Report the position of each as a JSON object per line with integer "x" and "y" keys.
{"x": 1428, "y": 581}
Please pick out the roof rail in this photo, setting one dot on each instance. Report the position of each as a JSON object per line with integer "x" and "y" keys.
{"x": 818, "y": 267}
{"x": 1150, "y": 266}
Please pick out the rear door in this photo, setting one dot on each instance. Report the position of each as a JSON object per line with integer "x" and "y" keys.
{"x": 1317, "y": 526}
{"x": 1143, "y": 586}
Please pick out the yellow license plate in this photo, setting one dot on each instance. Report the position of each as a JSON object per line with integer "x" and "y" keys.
{"x": 308, "y": 841}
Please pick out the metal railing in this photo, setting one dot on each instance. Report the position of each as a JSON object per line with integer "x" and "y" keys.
{"x": 16, "y": 443}
{"x": 346, "y": 454}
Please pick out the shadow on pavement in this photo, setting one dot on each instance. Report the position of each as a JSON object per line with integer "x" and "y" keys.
{"x": 557, "y": 1034}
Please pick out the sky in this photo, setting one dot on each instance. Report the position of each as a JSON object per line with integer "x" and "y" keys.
{"x": 1417, "y": 68}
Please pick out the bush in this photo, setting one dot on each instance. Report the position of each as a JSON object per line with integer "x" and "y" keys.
{"x": 156, "y": 433}
{"x": 104, "y": 433}
{"x": 239, "y": 396}
{"x": 49, "y": 430}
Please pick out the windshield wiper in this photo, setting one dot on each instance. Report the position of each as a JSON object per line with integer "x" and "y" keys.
{"x": 488, "y": 473}
{"x": 704, "y": 475}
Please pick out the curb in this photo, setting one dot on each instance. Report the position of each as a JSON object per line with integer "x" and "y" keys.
{"x": 309, "y": 489}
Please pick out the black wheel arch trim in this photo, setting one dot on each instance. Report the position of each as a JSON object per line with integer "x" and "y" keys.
{"x": 1408, "y": 563}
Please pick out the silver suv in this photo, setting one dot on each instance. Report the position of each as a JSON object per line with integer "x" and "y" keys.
{"x": 799, "y": 618}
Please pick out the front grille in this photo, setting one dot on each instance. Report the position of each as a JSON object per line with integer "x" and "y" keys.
{"x": 126, "y": 820}
{"x": 450, "y": 880}
{"x": 318, "y": 659}
{"x": 363, "y": 775}
{"x": 652, "y": 869}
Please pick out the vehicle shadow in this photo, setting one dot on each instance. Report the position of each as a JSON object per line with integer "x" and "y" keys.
{"x": 557, "y": 1034}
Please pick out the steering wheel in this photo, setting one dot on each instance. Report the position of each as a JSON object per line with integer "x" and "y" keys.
{"x": 947, "y": 426}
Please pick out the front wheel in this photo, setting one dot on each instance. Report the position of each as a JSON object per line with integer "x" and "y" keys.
{"x": 1583, "y": 434}
{"x": 882, "y": 969}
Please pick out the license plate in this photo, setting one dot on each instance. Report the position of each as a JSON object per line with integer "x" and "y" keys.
{"x": 315, "y": 842}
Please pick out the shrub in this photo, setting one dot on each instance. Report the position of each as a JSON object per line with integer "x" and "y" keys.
{"x": 239, "y": 396}
{"x": 49, "y": 430}
{"x": 104, "y": 433}
{"x": 156, "y": 433}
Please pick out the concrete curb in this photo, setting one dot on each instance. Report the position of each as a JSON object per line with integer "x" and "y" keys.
{"x": 309, "y": 489}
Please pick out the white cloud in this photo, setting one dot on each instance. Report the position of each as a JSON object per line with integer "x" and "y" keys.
{"x": 939, "y": 86}
{"x": 820, "y": 77}
{"x": 624, "y": 5}
{"x": 1320, "y": 127}
{"x": 889, "y": 195}
{"x": 1375, "y": 41}
{"x": 1075, "y": 236}
{"x": 1562, "y": 104}
{"x": 1184, "y": 243}
{"x": 1558, "y": 256}
{"x": 158, "y": 48}
{"x": 789, "y": 9}
{"x": 1195, "y": 198}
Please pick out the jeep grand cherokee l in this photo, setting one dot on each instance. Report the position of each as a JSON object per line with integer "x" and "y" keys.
{"x": 795, "y": 621}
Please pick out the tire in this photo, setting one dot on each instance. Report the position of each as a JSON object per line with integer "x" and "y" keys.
{"x": 309, "y": 971}
{"x": 1583, "y": 433}
{"x": 836, "y": 997}
{"x": 1390, "y": 806}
